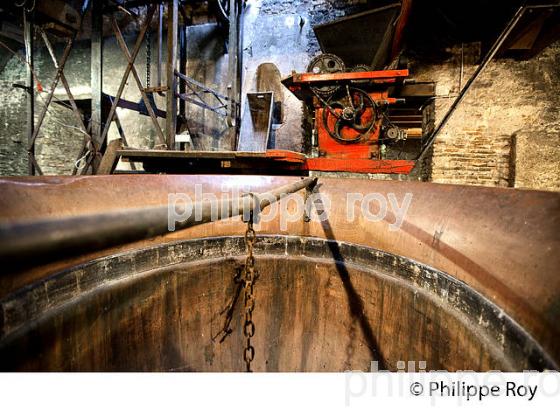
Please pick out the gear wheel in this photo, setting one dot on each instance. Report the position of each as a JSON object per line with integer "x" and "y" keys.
{"x": 361, "y": 68}
{"x": 326, "y": 64}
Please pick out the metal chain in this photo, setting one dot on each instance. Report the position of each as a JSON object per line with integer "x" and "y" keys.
{"x": 148, "y": 57}
{"x": 249, "y": 281}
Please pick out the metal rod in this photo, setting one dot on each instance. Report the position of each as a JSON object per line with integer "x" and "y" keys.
{"x": 191, "y": 81}
{"x": 22, "y": 244}
{"x": 59, "y": 71}
{"x": 49, "y": 98}
{"x": 491, "y": 53}
{"x": 186, "y": 98}
{"x": 182, "y": 67}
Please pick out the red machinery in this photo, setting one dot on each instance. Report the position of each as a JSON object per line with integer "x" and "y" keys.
{"x": 351, "y": 127}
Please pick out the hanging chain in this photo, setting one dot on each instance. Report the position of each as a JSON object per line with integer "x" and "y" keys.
{"x": 249, "y": 281}
{"x": 148, "y": 57}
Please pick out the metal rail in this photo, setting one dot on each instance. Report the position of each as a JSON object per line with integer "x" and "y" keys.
{"x": 29, "y": 243}
{"x": 196, "y": 92}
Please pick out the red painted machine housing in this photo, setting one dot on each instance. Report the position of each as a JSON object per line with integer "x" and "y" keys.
{"x": 362, "y": 156}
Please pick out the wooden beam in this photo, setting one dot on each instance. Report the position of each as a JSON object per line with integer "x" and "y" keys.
{"x": 109, "y": 160}
{"x": 96, "y": 70}
{"x": 233, "y": 71}
{"x": 172, "y": 31}
{"x": 147, "y": 102}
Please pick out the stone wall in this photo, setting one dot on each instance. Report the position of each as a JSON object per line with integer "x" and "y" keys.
{"x": 536, "y": 159}
{"x": 316, "y": 12}
{"x": 477, "y": 146}
{"x": 60, "y": 141}
{"x": 13, "y": 137}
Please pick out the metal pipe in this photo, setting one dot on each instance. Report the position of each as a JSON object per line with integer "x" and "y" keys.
{"x": 182, "y": 67}
{"x": 24, "y": 244}
{"x": 491, "y": 53}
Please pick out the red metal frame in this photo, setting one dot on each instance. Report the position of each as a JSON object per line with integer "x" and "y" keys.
{"x": 388, "y": 76}
{"x": 334, "y": 155}
{"x": 349, "y": 164}
{"x": 361, "y": 166}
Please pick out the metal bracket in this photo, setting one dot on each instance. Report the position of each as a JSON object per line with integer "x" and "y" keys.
{"x": 309, "y": 190}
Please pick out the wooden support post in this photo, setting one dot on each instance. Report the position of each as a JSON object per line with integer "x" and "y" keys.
{"x": 96, "y": 71}
{"x": 233, "y": 71}
{"x": 171, "y": 116}
{"x": 109, "y": 161}
{"x": 30, "y": 84}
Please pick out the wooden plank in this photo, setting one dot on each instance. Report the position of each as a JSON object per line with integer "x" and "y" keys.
{"x": 234, "y": 88}
{"x": 109, "y": 160}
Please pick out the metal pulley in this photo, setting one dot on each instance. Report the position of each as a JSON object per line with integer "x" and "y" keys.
{"x": 394, "y": 133}
{"x": 350, "y": 118}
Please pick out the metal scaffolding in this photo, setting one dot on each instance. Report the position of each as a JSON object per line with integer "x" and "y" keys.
{"x": 178, "y": 90}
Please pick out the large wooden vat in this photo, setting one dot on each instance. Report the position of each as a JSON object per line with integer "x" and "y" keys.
{"x": 469, "y": 282}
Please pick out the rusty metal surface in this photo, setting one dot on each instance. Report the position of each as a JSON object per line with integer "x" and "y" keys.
{"x": 256, "y": 122}
{"x": 501, "y": 242}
